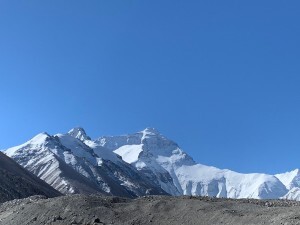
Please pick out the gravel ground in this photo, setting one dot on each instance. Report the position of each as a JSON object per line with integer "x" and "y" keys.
{"x": 95, "y": 210}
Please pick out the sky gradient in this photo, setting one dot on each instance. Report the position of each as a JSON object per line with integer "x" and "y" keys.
{"x": 221, "y": 78}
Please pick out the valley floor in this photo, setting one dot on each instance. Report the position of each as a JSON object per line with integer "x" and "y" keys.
{"x": 92, "y": 209}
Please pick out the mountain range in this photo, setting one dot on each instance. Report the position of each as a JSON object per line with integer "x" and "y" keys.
{"x": 143, "y": 163}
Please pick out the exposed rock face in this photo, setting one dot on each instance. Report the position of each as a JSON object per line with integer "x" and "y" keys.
{"x": 16, "y": 182}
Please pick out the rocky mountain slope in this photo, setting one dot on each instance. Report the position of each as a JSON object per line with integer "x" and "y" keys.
{"x": 16, "y": 182}
{"x": 140, "y": 164}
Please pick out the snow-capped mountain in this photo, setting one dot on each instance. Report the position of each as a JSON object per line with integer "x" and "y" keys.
{"x": 138, "y": 164}
{"x": 72, "y": 163}
{"x": 178, "y": 174}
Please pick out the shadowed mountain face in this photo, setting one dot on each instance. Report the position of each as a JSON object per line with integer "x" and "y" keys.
{"x": 16, "y": 182}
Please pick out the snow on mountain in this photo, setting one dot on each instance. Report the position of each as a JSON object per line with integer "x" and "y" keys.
{"x": 79, "y": 133}
{"x": 120, "y": 175}
{"x": 290, "y": 179}
{"x": 178, "y": 174}
{"x": 132, "y": 150}
{"x": 138, "y": 164}
{"x": 72, "y": 163}
{"x": 293, "y": 194}
{"x": 45, "y": 156}
{"x": 129, "y": 153}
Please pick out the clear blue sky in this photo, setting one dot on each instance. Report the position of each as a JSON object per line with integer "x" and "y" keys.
{"x": 221, "y": 78}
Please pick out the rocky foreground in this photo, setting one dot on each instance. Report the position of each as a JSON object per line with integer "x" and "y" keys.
{"x": 88, "y": 210}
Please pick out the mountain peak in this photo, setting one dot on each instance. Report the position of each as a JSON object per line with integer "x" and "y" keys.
{"x": 150, "y": 130}
{"x": 40, "y": 138}
{"x": 79, "y": 133}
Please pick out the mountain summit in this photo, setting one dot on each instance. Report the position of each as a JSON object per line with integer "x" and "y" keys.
{"x": 79, "y": 133}
{"x": 138, "y": 164}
